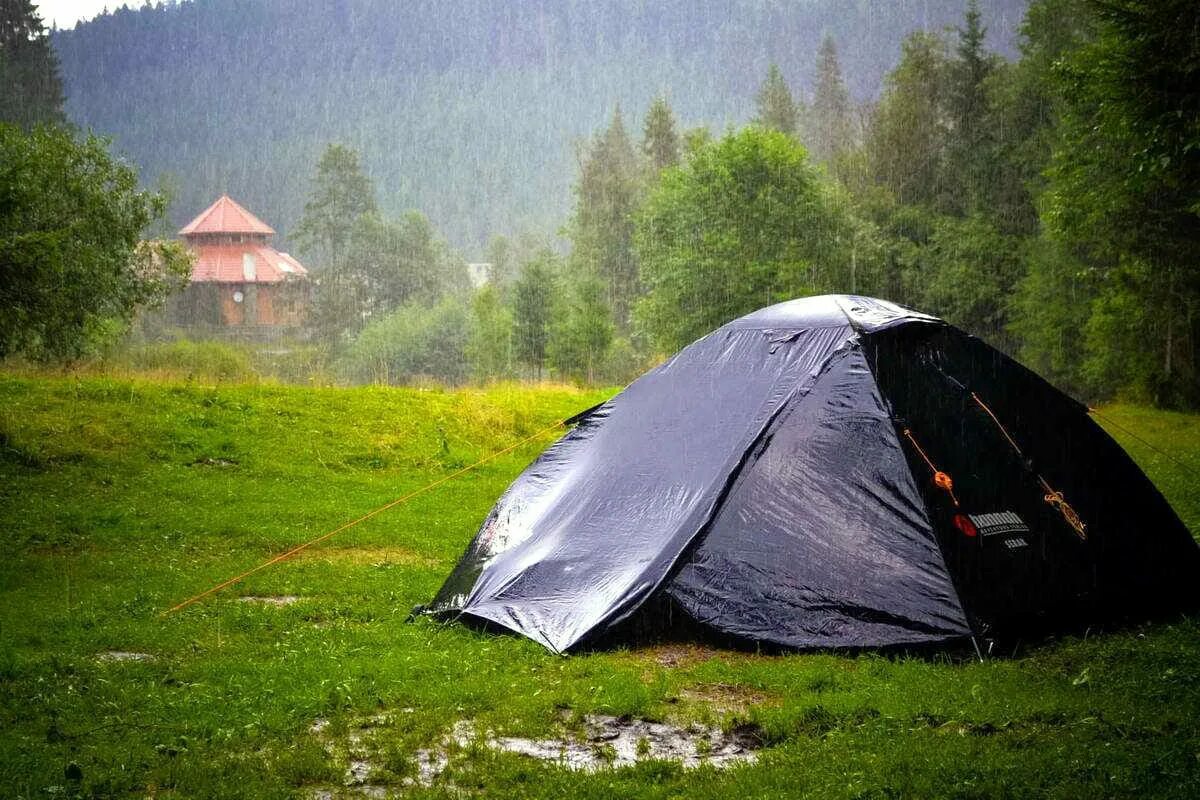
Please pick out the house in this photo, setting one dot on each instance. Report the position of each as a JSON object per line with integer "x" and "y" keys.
{"x": 479, "y": 272}
{"x": 239, "y": 280}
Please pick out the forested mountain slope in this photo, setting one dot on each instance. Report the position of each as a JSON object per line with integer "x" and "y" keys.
{"x": 469, "y": 110}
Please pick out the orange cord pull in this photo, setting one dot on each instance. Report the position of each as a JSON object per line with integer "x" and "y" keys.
{"x": 940, "y": 479}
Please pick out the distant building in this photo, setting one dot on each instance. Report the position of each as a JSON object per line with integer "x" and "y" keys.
{"x": 239, "y": 280}
{"x": 480, "y": 272}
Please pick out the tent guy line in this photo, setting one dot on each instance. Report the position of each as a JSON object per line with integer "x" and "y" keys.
{"x": 329, "y": 534}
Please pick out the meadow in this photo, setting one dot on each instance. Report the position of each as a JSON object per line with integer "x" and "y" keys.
{"x": 121, "y": 496}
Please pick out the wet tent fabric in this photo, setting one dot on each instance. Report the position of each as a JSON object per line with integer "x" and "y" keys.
{"x": 824, "y": 538}
{"x": 758, "y": 479}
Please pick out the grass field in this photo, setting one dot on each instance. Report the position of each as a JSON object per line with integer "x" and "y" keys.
{"x": 119, "y": 498}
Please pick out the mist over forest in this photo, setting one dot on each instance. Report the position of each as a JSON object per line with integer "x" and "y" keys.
{"x": 471, "y": 112}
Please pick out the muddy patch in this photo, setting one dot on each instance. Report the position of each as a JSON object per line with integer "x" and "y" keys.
{"x": 681, "y": 655}
{"x": 119, "y": 656}
{"x": 727, "y": 698}
{"x": 623, "y": 741}
{"x": 270, "y": 600}
{"x": 590, "y": 743}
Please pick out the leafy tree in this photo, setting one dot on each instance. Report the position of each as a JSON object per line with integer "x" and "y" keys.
{"x": 1050, "y": 308}
{"x": 777, "y": 110}
{"x": 1025, "y": 102}
{"x": 341, "y": 195}
{"x": 965, "y": 272}
{"x": 581, "y": 335}
{"x": 907, "y": 140}
{"x": 660, "y": 142}
{"x": 601, "y": 231}
{"x": 534, "y": 300}
{"x": 73, "y": 266}
{"x": 32, "y": 92}
{"x": 398, "y": 261}
{"x": 1125, "y": 175}
{"x": 831, "y": 130}
{"x": 489, "y": 349}
{"x": 744, "y": 222}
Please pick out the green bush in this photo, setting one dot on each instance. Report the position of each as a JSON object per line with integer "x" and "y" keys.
{"x": 412, "y": 343}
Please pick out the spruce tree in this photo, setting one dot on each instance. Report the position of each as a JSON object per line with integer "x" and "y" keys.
{"x": 660, "y": 142}
{"x": 342, "y": 194}
{"x": 534, "y": 296}
{"x": 610, "y": 183}
{"x": 30, "y": 89}
{"x": 777, "y": 110}
{"x": 970, "y": 148}
{"x": 832, "y": 131}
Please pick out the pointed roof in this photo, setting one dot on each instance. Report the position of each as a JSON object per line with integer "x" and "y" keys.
{"x": 226, "y": 216}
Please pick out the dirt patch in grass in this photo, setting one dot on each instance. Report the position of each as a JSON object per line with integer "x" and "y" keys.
{"x": 727, "y": 698}
{"x": 372, "y": 556}
{"x": 680, "y": 654}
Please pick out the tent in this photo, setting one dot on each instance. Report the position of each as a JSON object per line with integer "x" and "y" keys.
{"x": 828, "y": 472}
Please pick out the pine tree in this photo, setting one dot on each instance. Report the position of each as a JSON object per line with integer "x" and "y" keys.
{"x": 342, "y": 194}
{"x": 832, "y": 131}
{"x": 30, "y": 88}
{"x": 533, "y": 311}
{"x": 970, "y": 154}
{"x": 777, "y": 110}
{"x": 660, "y": 142}
{"x": 610, "y": 183}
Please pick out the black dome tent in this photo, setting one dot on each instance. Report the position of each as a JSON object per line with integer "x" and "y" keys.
{"x": 833, "y": 471}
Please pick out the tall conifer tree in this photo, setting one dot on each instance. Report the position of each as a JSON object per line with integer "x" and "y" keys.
{"x": 607, "y": 193}
{"x": 832, "y": 131}
{"x": 30, "y": 88}
{"x": 660, "y": 142}
{"x": 777, "y": 109}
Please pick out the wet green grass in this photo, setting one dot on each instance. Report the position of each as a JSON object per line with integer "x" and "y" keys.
{"x": 119, "y": 498}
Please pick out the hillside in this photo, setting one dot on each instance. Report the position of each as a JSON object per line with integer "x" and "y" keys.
{"x": 467, "y": 110}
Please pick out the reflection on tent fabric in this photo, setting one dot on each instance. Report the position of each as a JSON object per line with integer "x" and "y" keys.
{"x": 763, "y": 481}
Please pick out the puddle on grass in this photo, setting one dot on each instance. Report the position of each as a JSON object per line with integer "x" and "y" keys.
{"x": 599, "y": 742}
{"x": 111, "y": 656}
{"x": 276, "y": 600}
{"x": 623, "y": 741}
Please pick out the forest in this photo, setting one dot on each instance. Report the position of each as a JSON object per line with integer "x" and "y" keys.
{"x": 1045, "y": 202}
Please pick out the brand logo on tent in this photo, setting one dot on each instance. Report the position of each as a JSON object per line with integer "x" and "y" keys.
{"x": 1001, "y": 523}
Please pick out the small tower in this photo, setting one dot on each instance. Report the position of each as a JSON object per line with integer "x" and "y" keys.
{"x": 239, "y": 280}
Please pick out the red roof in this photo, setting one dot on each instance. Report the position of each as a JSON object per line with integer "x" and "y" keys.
{"x": 226, "y": 216}
{"x": 244, "y": 263}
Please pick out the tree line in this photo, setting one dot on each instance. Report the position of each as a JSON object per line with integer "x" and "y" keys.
{"x": 1046, "y": 203}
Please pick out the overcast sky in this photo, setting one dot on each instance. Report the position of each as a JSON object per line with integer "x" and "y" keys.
{"x": 65, "y": 13}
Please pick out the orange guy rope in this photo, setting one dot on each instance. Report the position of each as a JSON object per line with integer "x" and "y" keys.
{"x": 352, "y": 523}
{"x": 1053, "y": 497}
